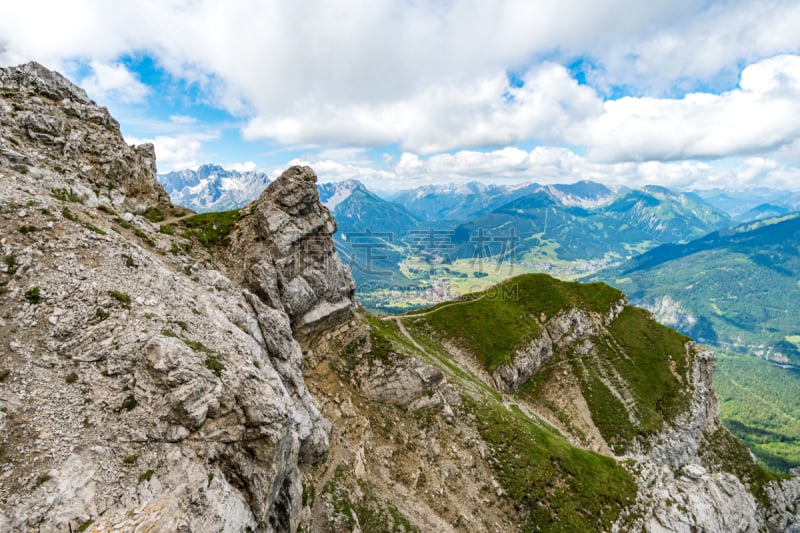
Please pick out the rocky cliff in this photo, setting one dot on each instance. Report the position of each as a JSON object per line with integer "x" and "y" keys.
{"x": 164, "y": 371}
{"x": 145, "y": 384}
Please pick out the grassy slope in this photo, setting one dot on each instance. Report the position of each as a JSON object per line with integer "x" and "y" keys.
{"x": 556, "y": 486}
{"x": 644, "y": 354}
{"x": 501, "y": 319}
{"x": 210, "y": 229}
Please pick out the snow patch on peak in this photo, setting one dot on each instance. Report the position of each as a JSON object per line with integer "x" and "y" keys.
{"x": 340, "y": 195}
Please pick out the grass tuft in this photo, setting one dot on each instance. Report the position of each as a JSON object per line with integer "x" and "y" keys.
{"x": 33, "y": 295}
{"x": 121, "y": 297}
{"x": 210, "y": 229}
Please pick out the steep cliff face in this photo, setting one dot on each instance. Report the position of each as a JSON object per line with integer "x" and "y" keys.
{"x": 285, "y": 253}
{"x": 146, "y": 385}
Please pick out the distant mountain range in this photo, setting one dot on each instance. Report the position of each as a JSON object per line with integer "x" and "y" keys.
{"x": 551, "y": 222}
{"x": 576, "y": 227}
{"x": 463, "y": 201}
{"x": 742, "y": 205}
{"x": 358, "y": 210}
{"x": 763, "y": 211}
{"x": 212, "y": 188}
{"x": 736, "y": 288}
{"x": 458, "y": 201}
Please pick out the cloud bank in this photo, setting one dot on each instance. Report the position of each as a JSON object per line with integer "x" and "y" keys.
{"x": 613, "y": 84}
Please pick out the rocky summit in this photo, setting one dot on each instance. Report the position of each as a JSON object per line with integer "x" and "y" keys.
{"x": 167, "y": 371}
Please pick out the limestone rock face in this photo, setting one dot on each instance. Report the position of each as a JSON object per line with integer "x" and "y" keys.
{"x": 681, "y": 491}
{"x": 51, "y": 129}
{"x": 704, "y": 502}
{"x": 283, "y": 251}
{"x": 401, "y": 383}
{"x": 144, "y": 386}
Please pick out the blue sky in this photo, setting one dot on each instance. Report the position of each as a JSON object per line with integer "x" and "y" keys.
{"x": 404, "y": 93}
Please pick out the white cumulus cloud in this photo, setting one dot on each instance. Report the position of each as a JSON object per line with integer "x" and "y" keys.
{"x": 759, "y": 115}
{"x": 432, "y": 78}
{"x": 547, "y": 165}
{"x": 114, "y": 82}
{"x": 487, "y": 112}
{"x": 178, "y": 152}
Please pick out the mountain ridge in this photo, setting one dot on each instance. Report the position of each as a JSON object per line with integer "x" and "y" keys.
{"x": 213, "y": 188}
{"x": 755, "y": 258}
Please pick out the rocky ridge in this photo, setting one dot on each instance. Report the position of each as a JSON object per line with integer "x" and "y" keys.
{"x": 571, "y": 327}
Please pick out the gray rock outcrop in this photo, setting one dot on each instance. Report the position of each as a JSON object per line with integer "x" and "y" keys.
{"x": 143, "y": 389}
{"x": 680, "y": 487}
{"x": 404, "y": 382}
{"x": 285, "y": 253}
{"x": 51, "y": 129}
{"x": 572, "y": 327}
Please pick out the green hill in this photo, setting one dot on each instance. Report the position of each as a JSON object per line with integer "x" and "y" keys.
{"x": 634, "y": 376}
{"x": 647, "y": 356}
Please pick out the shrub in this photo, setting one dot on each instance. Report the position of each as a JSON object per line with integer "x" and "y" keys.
{"x": 121, "y": 297}
{"x": 84, "y": 526}
{"x": 66, "y": 195}
{"x": 69, "y": 215}
{"x": 211, "y": 229}
{"x": 72, "y": 377}
{"x": 33, "y": 295}
{"x": 145, "y": 476}
{"x": 11, "y": 265}
{"x": 93, "y": 228}
{"x": 154, "y": 215}
{"x": 122, "y": 222}
{"x": 145, "y": 237}
{"x": 129, "y": 403}
{"x": 214, "y": 364}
